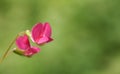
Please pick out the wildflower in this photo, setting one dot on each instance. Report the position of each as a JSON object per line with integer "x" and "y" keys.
{"x": 41, "y": 33}
{"x": 24, "y": 47}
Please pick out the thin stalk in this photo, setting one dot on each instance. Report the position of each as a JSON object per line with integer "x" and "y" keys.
{"x": 7, "y": 50}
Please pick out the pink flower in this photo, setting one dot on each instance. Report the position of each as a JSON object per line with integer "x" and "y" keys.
{"x": 41, "y": 33}
{"x": 24, "y": 47}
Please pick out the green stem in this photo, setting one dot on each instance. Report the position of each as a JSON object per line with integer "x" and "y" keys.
{"x": 7, "y": 51}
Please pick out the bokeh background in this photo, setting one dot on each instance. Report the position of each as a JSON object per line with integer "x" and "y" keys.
{"x": 86, "y": 36}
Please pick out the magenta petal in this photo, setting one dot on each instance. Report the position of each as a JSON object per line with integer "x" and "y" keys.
{"x": 22, "y": 42}
{"x": 41, "y": 33}
{"x": 37, "y": 31}
{"x": 31, "y": 51}
{"x": 43, "y": 40}
{"x": 47, "y": 30}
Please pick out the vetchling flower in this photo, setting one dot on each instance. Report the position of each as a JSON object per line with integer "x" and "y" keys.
{"x": 24, "y": 47}
{"x": 41, "y": 33}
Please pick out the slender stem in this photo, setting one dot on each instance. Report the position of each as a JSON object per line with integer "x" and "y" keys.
{"x": 7, "y": 51}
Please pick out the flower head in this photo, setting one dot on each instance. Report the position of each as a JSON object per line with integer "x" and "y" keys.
{"x": 41, "y": 33}
{"x": 24, "y": 47}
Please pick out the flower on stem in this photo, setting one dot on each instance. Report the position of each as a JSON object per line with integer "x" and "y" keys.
{"x": 41, "y": 33}
{"x": 24, "y": 47}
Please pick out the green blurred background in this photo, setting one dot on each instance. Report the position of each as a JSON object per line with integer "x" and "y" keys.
{"x": 86, "y": 36}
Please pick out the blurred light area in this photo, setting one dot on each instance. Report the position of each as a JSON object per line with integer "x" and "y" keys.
{"x": 86, "y": 36}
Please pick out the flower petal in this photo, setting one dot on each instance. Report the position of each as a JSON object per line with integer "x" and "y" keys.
{"x": 41, "y": 33}
{"x": 36, "y": 31}
{"x": 43, "y": 40}
{"x": 31, "y": 51}
{"x": 47, "y": 29}
{"x": 46, "y": 33}
{"x": 22, "y": 42}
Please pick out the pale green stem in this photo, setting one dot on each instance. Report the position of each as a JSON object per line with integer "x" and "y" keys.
{"x": 7, "y": 50}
